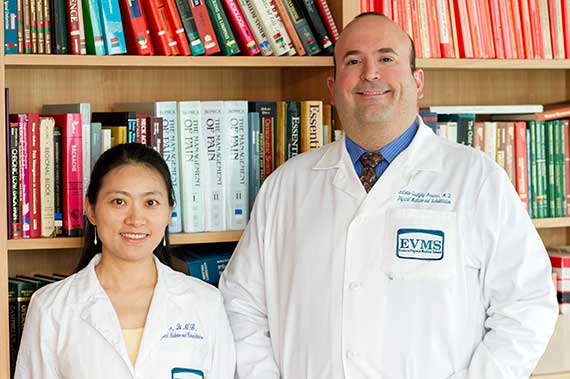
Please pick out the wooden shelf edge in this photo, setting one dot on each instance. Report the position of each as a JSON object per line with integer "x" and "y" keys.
{"x": 29, "y": 60}
{"x": 558, "y": 375}
{"x": 76, "y": 242}
{"x": 492, "y": 64}
{"x": 546, "y": 223}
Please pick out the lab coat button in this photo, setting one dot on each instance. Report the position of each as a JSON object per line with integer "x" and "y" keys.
{"x": 351, "y": 354}
{"x": 355, "y": 286}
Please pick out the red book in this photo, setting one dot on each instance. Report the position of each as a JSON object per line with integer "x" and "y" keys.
{"x": 137, "y": 32}
{"x": 363, "y": 6}
{"x": 387, "y": 8}
{"x": 34, "y": 174}
{"x": 406, "y": 16}
{"x": 177, "y": 28}
{"x": 536, "y": 27}
{"x": 475, "y": 29}
{"x": 497, "y": 29}
{"x": 75, "y": 30}
{"x": 72, "y": 172}
{"x": 444, "y": 26}
{"x": 433, "y": 29}
{"x": 508, "y": 29}
{"x": 488, "y": 28}
{"x": 416, "y": 33}
{"x": 204, "y": 26}
{"x": 161, "y": 33}
{"x": 463, "y": 32}
{"x": 526, "y": 28}
{"x": 479, "y": 136}
{"x": 556, "y": 29}
{"x": 242, "y": 31}
{"x": 566, "y": 26}
{"x": 517, "y": 26}
{"x": 396, "y": 12}
{"x": 521, "y": 161}
{"x": 13, "y": 175}
{"x": 142, "y": 128}
{"x": 328, "y": 19}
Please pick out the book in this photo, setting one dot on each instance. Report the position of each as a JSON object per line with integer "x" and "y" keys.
{"x": 22, "y": 291}
{"x": 34, "y": 173}
{"x": 72, "y": 173}
{"x": 192, "y": 166}
{"x": 487, "y": 109}
{"x": 10, "y": 26}
{"x": 190, "y": 28}
{"x": 293, "y": 130}
{"x": 235, "y": 157}
{"x": 46, "y": 167}
{"x": 58, "y": 15}
{"x": 24, "y": 175}
{"x": 289, "y": 28}
{"x": 112, "y": 27}
{"x": 205, "y": 27}
{"x": 161, "y": 33}
{"x": 328, "y": 20}
{"x": 75, "y": 27}
{"x": 178, "y": 29}
{"x": 126, "y": 119}
{"x": 255, "y": 26}
{"x": 215, "y": 179}
{"x": 136, "y": 28}
{"x": 302, "y": 27}
{"x": 317, "y": 25}
{"x": 13, "y": 174}
{"x": 94, "y": 40}
{"x": 253, "y": 159}
{"x": 224, "y": 34}
{"x": 272, "y": 26}
{"x": 204, "y": 261}
{"x": 245, "y": 38}
{"x": 311, "y": 125}
{"x": 58, "y": 180}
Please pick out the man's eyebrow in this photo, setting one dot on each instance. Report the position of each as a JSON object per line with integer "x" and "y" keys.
{"x": 383, "y": 50}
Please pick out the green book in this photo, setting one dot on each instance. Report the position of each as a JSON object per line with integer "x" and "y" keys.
{"x": 94, "y": 39}
{"x": 224, "y": 33}
{"x": 550, "y": 163}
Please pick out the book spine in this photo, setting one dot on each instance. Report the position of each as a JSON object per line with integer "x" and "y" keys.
{"x": 423, "y": 21}
{"x": 72, "y": 174}
{"x": 256, "y": 27}
{"x": 40, "y": 24}
{"x": 112, "y": 27}
{"x": 253, "y": 165}
{"x": 302, "y": 27}
{"x": 545, "y": 23}
{"x": 14, "y": 178}
{"x": 24, "y": 176}
{"x": 34, "y": 174}
{"x": 196, "y": 45}
{"x": 541, "y": 170}
{"x": 243, "y": 32}
{"x": 214, "y": 182}
{"x": 235, "y": 151}
{"x": 222, "y": 28}
{"x": 137, "y": 32}
{"x": 167, "y": 110}
{"x": 58, "y": 179}
{"x": 566, "y": 131}
{"x": 95, "y": 146}
{"x": 445, "y": 42}
{"x": 73, "y": 26}
{"x": 161, "y": 34}
{"x": 521, "y": 163}
{"x": 47, "y": 176}
{"x": 155, "y": 139}
{"x": 311, "y": 125}
{"x": 561, "y": 173}
{"x": 328, "y": 20}
{"x": 47, "y": 26}
{"x": 13, "y": 324}
{"x": 318, "y": 26}
{"x": 59, "y": 17}
{"x": 267, "y": 113}
{"x": 192, "y": 166}
{"x": 281, "y": 109}
{"x": 10, "y": 26}
{"x": 94, "y": 40}
{"x": 177, "y": 27}
{"x": 205, "y": 28}
{"x": 433, "y": 28}
{"x": 27, "y": 26}
{"x": 289, "y": 27}
{"x": 270, "y": 24}
{"x": 33, "y": 25}
{"x": 293, "y": 130}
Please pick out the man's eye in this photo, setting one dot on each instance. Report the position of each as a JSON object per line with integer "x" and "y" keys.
{"x": 387, "y": 59}
{"x": 352, "y": 61}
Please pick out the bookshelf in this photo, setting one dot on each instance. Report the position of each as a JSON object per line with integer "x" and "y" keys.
{"x": 102, "y": 81}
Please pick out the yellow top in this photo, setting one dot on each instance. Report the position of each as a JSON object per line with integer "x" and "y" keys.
{"x": 133, "y": 341}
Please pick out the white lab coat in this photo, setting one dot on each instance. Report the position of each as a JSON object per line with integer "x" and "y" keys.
{"x": 323, "y": 283}
{"x": 72, "y": 331}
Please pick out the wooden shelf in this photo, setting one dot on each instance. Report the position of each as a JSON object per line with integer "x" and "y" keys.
{"x": 546, "y": 223}
{"x": 75, "y": 242}
{"x": 561, "y": 375}
{"x": 29, "y": 60}
{"x": 493, "y": 64}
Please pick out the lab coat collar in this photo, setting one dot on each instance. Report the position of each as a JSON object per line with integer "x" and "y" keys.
{"x": 97, "y": 310}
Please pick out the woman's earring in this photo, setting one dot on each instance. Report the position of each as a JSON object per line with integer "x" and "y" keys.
{"x": 95, "y": 233}
{"x": 164, "y": 241}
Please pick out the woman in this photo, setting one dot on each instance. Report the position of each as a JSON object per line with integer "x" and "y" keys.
{"x": 125, "y": 313}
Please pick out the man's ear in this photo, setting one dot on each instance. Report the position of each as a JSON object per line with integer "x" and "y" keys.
{"x": 330, "y": 85}
{"x": 89, "y": 212}
{"x": 419, "y": 79}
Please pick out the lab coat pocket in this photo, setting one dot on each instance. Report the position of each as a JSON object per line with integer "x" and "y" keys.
{"x": 420, "y": 244}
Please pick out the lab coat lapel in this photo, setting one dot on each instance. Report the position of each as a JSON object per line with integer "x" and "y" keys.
{"x": 160, "y": 314}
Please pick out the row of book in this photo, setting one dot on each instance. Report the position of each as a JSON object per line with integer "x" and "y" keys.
{"x": 169, "y": 27}
{"x": 218, "y": 152}
{"x": 533, "y": 148}
{"x": 502, "y": 29}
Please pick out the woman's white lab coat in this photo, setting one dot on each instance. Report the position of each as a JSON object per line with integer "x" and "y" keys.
{"x": 72, "y": 331}
{"x": 438, "y": 272}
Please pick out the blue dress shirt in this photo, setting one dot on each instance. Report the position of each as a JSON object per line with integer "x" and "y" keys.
{"x": 389, "y": 152}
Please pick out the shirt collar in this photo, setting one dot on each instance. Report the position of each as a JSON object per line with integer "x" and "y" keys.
{"x": 390, "y": 151}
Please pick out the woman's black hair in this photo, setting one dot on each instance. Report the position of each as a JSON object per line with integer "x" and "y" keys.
{"x": 118, "y": 156}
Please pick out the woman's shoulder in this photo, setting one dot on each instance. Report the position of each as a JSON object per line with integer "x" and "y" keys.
{"x": 184, "y": 285}
{"x": 57, "y": 293}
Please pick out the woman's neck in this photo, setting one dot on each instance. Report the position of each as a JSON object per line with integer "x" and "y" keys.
{"x": 118, "y": 274}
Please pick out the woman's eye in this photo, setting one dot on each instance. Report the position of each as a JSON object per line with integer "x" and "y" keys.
{"x": 152, "y": 203}
{"x": 118, "y": 202}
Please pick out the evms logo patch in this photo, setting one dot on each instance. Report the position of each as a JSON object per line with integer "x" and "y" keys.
{"x": 423, "y": 244}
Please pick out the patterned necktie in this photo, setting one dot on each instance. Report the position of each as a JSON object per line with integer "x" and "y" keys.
{"x": 369, "y": 162}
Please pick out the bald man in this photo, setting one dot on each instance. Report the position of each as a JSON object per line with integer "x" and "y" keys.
{"x": 392, "y": 253}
